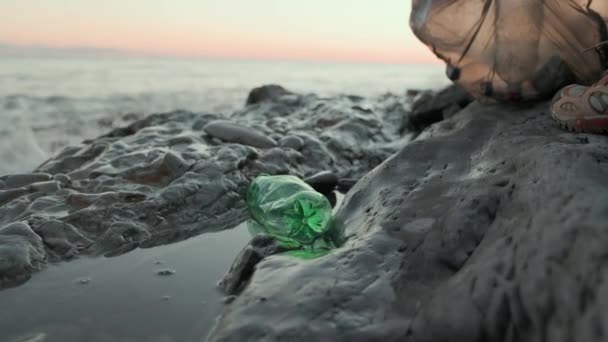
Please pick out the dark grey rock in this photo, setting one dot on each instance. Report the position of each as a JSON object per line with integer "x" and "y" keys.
{"x": 11, "y": 194}
{"x": 63, "y": 179}
{"x": 412, "y": 92}
{"x": 451, "y": 111}
{"x": 345, "y": 184}
{"x": 229, "y": 299}
{"x": 21, "y": 253}
{"x": 491, "y": 226}
{"x": 62, "y": 239}
{"x": 165, "y": 272}
{"x": 21, "y": 180}
{"x": 47, "y": 187}
{"x": 323, "y": 182}
{"x": 231, "y": 132}
{"x": 270, "y": 92}
{"x": 430, "y": 108}
{"x": 83, "y": 281}
{"x": 333, "y": 199}
{"x": 292, "y": 141}
{"x": 260, "y": 247}
{"x": 161, "y": 180}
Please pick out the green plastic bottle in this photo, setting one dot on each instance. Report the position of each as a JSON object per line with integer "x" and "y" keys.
{"x": 288, "y": 209}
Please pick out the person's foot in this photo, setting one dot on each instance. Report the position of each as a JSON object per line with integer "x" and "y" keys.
{"x": 582, "y": 109}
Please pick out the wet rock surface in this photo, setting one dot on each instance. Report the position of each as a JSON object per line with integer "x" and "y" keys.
{"x": 260, "y": 247}
{"x": 430, "y": 107}
{"x": 175, "y": 175}
{"x": 324, "y": 182}
{"x": 490, "y": 226}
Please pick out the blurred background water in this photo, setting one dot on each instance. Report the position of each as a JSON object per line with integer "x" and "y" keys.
{"x": 48, "y": 103}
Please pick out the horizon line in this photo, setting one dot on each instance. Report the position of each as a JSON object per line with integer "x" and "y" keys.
{"x": 73, "y": 51}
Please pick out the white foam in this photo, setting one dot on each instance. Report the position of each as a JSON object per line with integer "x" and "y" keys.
{"x": 19, "y": 150}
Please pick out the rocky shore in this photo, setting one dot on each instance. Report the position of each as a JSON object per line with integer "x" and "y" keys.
{"x": 175, "y": 175}
{"x": 467, "y": 222}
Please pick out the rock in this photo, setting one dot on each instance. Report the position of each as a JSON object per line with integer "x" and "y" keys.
{"x": 412, "y": 92}
{"x": 490, "y": 226}
{"x": 333, "y": 199}
{"x": 84, "y": 281}
{"x": 63, "y": 179}
{"x": 451, "y": 111}
{"x": 231, "y": 132}
{"x": 63, "y": 239}
{"x": 21, "y": 252}
{"x": 260, "y": 247}
{"x": 344, "y": 185}
{"x": 159, "y": 180}
{"x": 323, "y": 182}
{"x": 431, "y": 108}
{"x": 292, "y": 141}
{"x": 21, "y": 180}
{"x": 229, "y": 299}
{"x": 165, "y": 272}
{"x": 47, "y": 187}
{"x": 270, "y": 92}
{"x": 9, "y": 195}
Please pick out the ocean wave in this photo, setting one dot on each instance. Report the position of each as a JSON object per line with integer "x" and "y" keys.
{"x": 46, "y": 104}
{"x": 20, "y": 150}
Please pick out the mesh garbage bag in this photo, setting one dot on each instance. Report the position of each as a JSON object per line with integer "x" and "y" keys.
{"x": 513, "y": 50}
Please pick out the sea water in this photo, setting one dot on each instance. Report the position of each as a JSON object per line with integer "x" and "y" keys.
{"x": 48, "y": 103}
{"x": 125, "y": 298}
{"x": 163, "y": 294}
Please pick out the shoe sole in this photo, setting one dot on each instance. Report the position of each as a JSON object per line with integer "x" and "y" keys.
{"x": 594, "y": 124}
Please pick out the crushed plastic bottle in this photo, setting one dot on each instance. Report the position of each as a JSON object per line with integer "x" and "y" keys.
{"x": 291, "y": 211}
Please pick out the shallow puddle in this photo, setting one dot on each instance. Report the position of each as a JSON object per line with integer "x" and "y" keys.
{"x": 124, "y": 298}
{"x": 161, "y": 294}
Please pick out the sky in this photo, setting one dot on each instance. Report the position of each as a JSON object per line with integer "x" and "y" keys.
{"x": 336, "y": 30}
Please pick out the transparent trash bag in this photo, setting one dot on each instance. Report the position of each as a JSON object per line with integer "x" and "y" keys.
{"x": 514, "y": 50}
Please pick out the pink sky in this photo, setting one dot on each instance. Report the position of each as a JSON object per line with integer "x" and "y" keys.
{"x": 344, "y": 30}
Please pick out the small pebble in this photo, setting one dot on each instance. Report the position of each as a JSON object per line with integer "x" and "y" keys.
{"x": 165, "y": 272}
{"x": 84, "y": 281}
{"x": 292, "y": 141}
{"x": 231, "y": 132}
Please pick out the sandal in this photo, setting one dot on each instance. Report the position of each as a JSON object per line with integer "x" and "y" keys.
{"x": 582, "y": 109}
